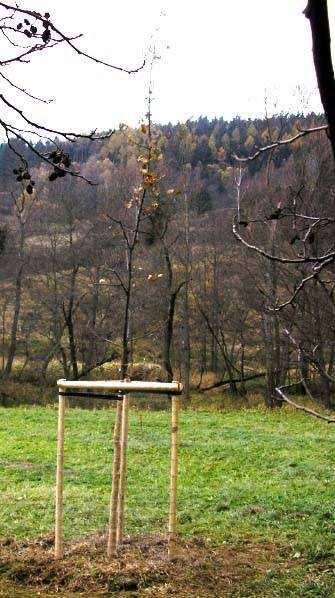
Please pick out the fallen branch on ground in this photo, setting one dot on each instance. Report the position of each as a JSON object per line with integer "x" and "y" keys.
{"x": 234, "y": 380}
{"x": 329, "y": 420}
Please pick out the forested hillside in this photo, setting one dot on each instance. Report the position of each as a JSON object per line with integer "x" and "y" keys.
{"x": 139, "y": 268}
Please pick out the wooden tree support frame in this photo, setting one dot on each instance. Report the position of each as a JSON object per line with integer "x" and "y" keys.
{"x": 117, "y": 390}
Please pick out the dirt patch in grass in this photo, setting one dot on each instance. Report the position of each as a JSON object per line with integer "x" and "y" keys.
{"x": 141, "y": 569}
{"x": 18, "y": 464}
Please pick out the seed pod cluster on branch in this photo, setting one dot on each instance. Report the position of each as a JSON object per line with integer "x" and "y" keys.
{"x": 22, "y": 175}
{"x": 44, "y": 33}
{"x": 40, "y": 32}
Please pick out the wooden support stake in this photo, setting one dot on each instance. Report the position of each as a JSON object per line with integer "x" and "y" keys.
{"x": 59, "y": 480}
{"x": 113, "y": 508}
{"x": 173, "y": 479}
{"x": 123, "y": 469}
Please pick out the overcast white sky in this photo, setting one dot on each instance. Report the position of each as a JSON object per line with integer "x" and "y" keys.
{"x": 218, "y": 58}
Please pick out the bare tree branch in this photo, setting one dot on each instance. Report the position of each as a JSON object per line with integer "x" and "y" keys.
{"x": 302, "y": 283}
{"x": 25, "y": 91}
{"x": 284, "y": 397}
{"x": 228, "y": 381}
{"x": 62, "y": 37}
{"x": 284, "y": 260}
{"x": 280, "y": 142}
{"x": 310, "y": 356}
{"x": 40, "y": 33}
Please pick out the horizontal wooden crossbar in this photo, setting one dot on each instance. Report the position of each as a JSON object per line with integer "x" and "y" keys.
{"x": 122, "y": 386}
{"x": 91, "y": 395}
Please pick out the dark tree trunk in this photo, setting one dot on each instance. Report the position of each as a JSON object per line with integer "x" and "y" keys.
{"x": 214, "y": 344}
{"x": 3, "y": 238}
{"x": 168, "y": 337}
{"x": 126, "y": 317}
{"x": 15, "y": 323}
{"x": 186, "y": 344}
{"x": 73, "y": 348}
{"x": 68, "y": 317}
{"x": 304, "y": 370}
{"x": 168, "y": 332}
{"x": 317, "y": 13}
{"x": 270, "y": 397}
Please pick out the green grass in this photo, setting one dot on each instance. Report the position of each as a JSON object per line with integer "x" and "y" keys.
{"x": 243, "y": 475}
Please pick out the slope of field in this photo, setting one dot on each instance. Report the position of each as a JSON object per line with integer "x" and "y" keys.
{"x": 256, "y": 500}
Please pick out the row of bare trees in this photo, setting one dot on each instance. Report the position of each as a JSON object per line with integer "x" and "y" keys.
{"x": 107, "y": 274}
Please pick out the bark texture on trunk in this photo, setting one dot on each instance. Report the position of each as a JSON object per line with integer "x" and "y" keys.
{"x": 317, "y": 14}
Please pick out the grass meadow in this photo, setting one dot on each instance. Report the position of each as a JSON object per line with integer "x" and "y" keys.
{"x": 245, "y": 477}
